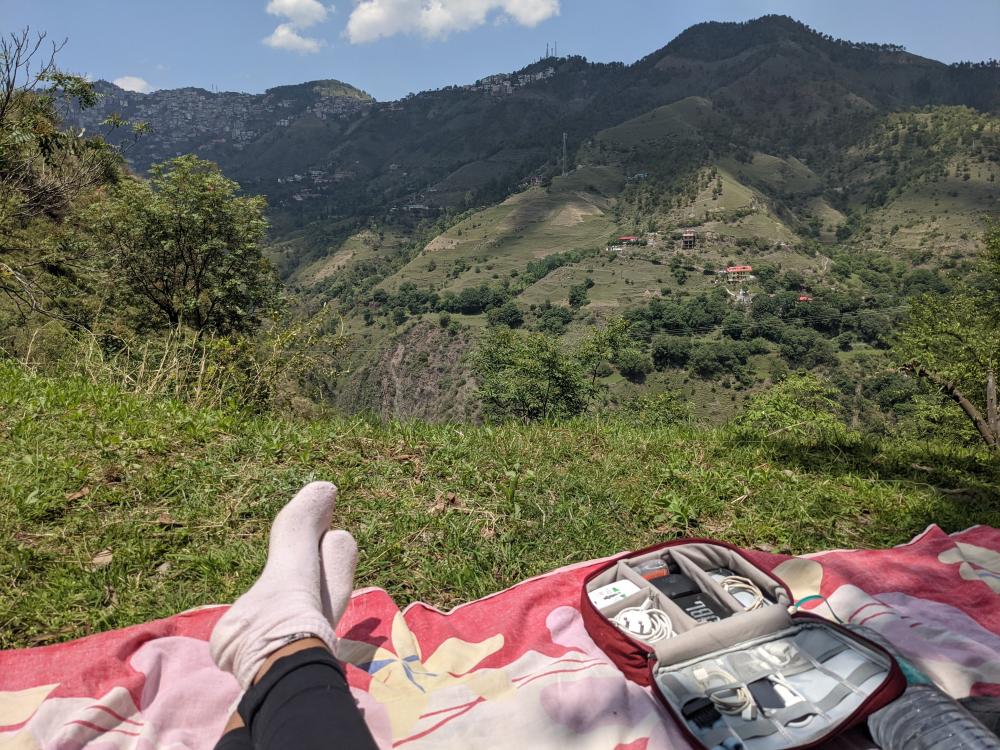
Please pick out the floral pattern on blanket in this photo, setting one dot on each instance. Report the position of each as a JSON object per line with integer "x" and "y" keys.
{"x": 516, "y": 669}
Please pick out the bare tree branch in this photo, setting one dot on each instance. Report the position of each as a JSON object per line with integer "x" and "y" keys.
{"x": 991, "y": 402}
{"x": 986, "y": 431}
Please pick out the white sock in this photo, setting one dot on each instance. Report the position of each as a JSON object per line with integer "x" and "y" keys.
{"x": 286, "y": 602}
{"x": 338, "y": 559}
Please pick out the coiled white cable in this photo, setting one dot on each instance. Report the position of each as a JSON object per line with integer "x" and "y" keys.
{"x": 645, "y": 622}
{"x": 733, "y": 700}
{"x": 740, "y": 585}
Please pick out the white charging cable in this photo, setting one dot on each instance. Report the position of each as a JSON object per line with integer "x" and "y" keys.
{"x": 733, "y": 700}
{"x": 646, "y": 622}
{"x": 740, "y": 585}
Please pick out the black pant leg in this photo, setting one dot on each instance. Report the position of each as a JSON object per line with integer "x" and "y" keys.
{"x": 303, "y": 702}
{"x": 236, "y": 739}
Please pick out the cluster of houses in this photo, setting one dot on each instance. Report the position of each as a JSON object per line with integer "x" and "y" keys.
{"x": 688, "y": 241}
{"x": 315, "y": 176}
{"x": 504, "y": 84}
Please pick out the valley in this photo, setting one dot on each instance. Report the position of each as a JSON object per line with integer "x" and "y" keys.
{"x": 845, "y": 176}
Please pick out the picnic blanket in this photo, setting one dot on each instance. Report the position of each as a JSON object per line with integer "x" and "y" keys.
{"x": 512, "y": 670}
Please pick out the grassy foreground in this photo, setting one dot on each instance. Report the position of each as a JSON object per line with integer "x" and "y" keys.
{"x": 116, "y": 509}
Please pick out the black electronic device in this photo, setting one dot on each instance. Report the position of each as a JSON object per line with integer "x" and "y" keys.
{"x": 764, "y": 693}
{"x": 674, "y": 585}
{"x": 701, "y": 711}
{"x": 701, "y": 607}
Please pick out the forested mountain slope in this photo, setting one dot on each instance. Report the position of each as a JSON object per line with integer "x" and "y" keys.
{"x": 781, "y": 86}
{"x": 847, "y": 176}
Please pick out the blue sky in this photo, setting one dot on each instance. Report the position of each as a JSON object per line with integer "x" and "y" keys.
{"x": 392, "y": 47}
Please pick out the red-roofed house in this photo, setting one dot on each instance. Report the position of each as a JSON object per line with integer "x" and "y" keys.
{"x": 738, "y": 274}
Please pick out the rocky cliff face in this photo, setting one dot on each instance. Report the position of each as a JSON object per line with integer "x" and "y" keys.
{"x": 220, "y": 124}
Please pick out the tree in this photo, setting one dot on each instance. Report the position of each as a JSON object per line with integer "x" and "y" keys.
{"x": 806, "y": 348}
{"x": 671, "y": 351}
{"x": 953, "y": 342}
{"x": 633, "y": 364}
{"x": 800, "y": 406}
{"x": 44, "y": 172}
{"x": 552, "y": 319}
{"x": 185, "y": 249}
{"x": 872, "y": 326}
{"x": 578, "y": 295}
{"x": 508, "y": 314}
{"x": 601, "y": 347}
{"x": 734, "y": 325}
{"x": 713, "y": 357}
{"x": 528, "y": 376}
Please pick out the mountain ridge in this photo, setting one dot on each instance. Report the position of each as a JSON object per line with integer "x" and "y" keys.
{"x": 847, "y": 172}
{"x": 453, "y": 127}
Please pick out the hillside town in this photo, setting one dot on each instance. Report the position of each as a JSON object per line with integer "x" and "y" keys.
{"x": 504, "y": 84}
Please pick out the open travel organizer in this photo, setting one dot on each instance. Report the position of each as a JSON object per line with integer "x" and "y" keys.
{"x": 721, "y": 645}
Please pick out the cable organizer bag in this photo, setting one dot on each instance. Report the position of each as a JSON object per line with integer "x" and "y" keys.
{"x": 721, "y": 645}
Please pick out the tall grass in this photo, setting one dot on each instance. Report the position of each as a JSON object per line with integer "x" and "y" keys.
{"x": 180, "y": 496}
{"x": 201, "y": 370}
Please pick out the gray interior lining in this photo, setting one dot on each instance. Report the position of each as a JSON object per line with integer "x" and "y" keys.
{"x": 715, "y": 737}
{"x": 862, "y": 674}
{"x": 718, "y": 636}
{"x": 835, "y": 697}
{"x": 796, "y": 711}
{"x": 711, "y": 556}
{"x": 748, "y": 730}
{"x": 818, "y": 645}
{"x": 788, "y": 647}
{"x": 608, "y": 576}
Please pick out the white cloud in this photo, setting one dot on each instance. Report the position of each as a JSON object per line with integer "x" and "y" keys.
{"x": 133, "y": 83}
{"x": 286, "y": 37}
{"x": 302, "y": 13}
{"x": 435, "y": 19}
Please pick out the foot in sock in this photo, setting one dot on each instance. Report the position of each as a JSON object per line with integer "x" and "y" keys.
{"x": 290, "y": 600}
{"x": 338, "y": 559}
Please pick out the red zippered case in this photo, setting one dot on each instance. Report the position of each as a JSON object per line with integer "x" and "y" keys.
{"x": 832, "y": 677}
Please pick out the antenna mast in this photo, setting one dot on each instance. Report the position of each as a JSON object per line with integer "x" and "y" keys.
{"x": 564, "y": 153}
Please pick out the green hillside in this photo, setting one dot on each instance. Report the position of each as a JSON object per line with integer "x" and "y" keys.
{"x": 849, "y": 176}
{"x": 848, "y": 234}
{"x": 119, "y": 508}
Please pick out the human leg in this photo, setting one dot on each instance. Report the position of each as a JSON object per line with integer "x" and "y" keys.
{"x": 278, "y": 637}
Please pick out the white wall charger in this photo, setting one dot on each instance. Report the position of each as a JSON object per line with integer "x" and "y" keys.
{"x": 612, "y": 593}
